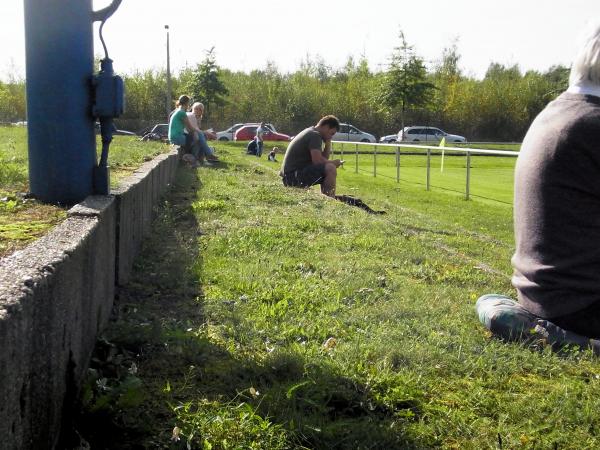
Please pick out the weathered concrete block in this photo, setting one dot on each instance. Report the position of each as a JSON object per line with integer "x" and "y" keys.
{"x": 55, "y": 296}
{"x": 136, "y": 198}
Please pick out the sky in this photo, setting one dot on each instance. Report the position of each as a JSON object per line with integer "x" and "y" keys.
{"x": 535, "y": 34}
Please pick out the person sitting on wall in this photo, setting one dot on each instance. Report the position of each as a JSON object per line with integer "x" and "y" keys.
{"x": 306, "y": 161}
{"x": 199, "y": 138}
{"x": 179, "y": 122}
{"x": 557, "y": 214}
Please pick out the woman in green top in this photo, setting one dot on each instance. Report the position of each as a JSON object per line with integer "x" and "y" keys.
{"x": 179, "y": 122}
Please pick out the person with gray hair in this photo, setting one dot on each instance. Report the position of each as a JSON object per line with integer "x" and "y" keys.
{"x": 557, "y": 215}
{"x": 196, "y": 140}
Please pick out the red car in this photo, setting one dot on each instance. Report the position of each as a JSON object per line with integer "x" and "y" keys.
{"x": 248, "y": 132}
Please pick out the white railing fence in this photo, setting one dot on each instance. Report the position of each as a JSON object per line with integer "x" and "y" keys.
{"x": 348, "y": 148}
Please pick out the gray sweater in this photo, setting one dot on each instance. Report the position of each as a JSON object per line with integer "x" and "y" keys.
{"x": 557, "y": 209}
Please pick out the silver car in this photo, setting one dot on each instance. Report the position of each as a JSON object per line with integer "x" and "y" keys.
{"x": 351, "y": 133}
{"x": 229, "y": 133}
{"x": 427, "y": 134}
{"x": 390, "y": 138}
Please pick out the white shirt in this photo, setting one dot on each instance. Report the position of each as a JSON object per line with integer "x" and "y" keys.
{"x": 260, "y": 131}
{"x": 193, "y": 119}
{"x": 585, "y": 89}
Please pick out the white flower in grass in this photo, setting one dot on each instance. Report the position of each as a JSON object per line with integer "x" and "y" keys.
{"x": 176, "y": 433}
{"x": 253, "y": 392}
{"x": 330, "y": 343}
{"x": 133, "y": 369}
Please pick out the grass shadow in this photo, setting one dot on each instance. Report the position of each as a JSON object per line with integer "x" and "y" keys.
{"x": 317, "y": 407}
{"x": 158, "y": 366}
{"x": 141, "y": 345}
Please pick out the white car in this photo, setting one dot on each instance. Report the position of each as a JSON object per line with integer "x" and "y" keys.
{"x": 229, "y": 133}
{"x": 390, "y": 138}
{"x": 351, "y": 133}
{"x": 427, "y": 134}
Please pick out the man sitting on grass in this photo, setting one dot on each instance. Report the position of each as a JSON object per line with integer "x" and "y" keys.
{"x": 307, "y": 162}
{"x": 557, "y": 215}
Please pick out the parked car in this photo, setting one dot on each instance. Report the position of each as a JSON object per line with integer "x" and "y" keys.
{"x": 351, "y": 133}
{"x": 159, "y": 132}
{"x": 388, "y": 139}
{"x": 227, "y": 135}
{"x": 427, "y": 134}
{"x": 248, "y": 132}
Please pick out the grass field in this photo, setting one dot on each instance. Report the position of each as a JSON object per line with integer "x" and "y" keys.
{"x": 23, "y": 219}
{"x": 266, "y": 317}
{"x": 491, "y": 177}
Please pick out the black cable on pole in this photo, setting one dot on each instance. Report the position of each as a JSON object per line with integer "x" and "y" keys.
{"x": 102, "y": 39}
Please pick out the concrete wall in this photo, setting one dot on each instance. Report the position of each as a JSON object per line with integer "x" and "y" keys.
{"x": 135, "y": 199}
{"x": 56, "y": 296}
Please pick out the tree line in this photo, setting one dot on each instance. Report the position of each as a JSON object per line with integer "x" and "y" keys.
{"x": 498, "y": 107}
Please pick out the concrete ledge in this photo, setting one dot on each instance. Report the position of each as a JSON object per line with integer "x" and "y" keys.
{"x": 136, "y": 198}
{"x": 56, "y": 295}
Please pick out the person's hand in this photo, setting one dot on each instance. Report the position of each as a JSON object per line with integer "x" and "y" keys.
{"x": 337, "y": 162}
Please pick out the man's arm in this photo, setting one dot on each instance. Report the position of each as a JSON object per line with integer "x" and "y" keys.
{"x": 210, "y": 134}
{"x": 327, "y": 149}
{"x": 318, "y": 156}
{"x": 190, "y": 126}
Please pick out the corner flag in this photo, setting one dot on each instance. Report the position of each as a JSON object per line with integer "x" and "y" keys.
{"x": 442, "y": 144}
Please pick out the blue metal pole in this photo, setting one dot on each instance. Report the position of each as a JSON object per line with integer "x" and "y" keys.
{"x": 60, "y": 59}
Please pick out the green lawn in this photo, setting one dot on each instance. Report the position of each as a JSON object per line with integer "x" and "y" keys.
{"x": 23, "y": 219}
{"x": 491, "y": 177}
{"x": 267, "y": 317}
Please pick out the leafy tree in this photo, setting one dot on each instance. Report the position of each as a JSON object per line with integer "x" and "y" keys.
{"x": 145, "y": 99}
{"x": 558, "y": 77}
{"x": 499, "y": 107}
{"x": 12, "y": 101}
{"x": 405, "y": 83}
{"x": 447, "y": 78}
{"x": 206, "y": 84}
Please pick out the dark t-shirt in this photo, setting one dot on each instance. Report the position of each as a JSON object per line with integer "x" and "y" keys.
{"x": 557, "y": 209}
{"x": 297, "y": 155}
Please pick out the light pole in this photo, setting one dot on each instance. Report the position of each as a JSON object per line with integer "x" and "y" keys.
{"x": 169, "y": 106}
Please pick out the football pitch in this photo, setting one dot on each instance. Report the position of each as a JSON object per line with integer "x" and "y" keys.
{"x": 490, "y": 177}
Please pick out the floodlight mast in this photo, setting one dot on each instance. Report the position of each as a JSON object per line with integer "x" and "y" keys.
{"x": 169, "y": 99}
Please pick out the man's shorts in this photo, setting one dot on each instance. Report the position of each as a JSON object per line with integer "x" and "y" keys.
{"x": 306, "y": 177}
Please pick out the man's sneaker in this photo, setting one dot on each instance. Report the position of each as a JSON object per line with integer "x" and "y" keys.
{"x": 208, "y": 163}
{"x": 505, "y": 317}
